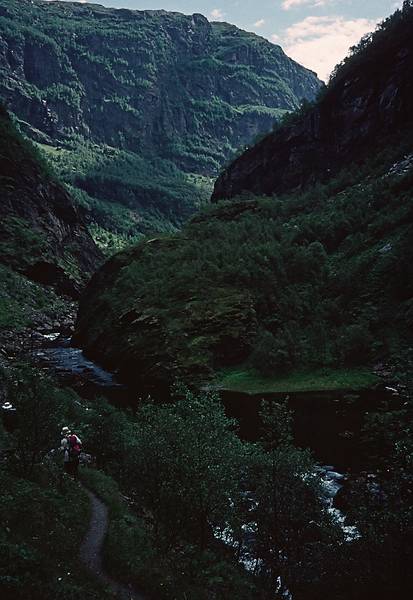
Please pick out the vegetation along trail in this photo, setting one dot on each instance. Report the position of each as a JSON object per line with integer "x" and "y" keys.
{"x": 91, "y": 548}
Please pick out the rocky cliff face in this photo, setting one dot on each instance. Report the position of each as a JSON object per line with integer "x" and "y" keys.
{"x": 370, "y": 98}
{"x": 147, "y": 79}
{"x": 150, "y": 84}
{"x": 42, "y": 233}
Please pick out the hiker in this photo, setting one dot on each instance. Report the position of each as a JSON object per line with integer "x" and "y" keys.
{"x": 71, "y": 447}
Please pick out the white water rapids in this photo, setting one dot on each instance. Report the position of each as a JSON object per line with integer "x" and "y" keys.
{"x": 332, "y": 481}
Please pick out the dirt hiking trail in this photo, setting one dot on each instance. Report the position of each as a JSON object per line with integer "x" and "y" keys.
{"x": 91, "y": 549}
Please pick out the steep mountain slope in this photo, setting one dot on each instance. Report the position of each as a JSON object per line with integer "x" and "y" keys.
{"x": 138, "y": 109}
{"x": 311, "y": 279}
{"x": 42, "y": 233}
{"x": 371, "y": 96}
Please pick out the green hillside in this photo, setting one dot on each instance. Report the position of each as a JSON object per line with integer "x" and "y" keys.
{"x": 321, "y": 278}
{"x": 138, "y": 110}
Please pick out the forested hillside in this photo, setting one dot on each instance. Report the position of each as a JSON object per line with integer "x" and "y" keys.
{"x": 46, "y": 257}
{"x": 138, "y": 110}
{"x": 321, "y": 277}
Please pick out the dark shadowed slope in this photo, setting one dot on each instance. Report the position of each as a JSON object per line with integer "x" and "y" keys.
{"x": 42, "y": 233}
{"x": 370, "y": 98}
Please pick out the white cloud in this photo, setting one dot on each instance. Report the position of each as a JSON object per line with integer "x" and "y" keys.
{"x": 319, "y": 43}
{"x": 275, "y": 38}
{"x": 217, "y": 14}
{"x": 288, "y": 4}
{"x": 259, "y": 23}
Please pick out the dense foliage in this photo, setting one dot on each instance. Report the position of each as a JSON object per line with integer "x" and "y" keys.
{"x": 194, "y": 511}
{"x": 113, "y": 190}
{"x": 321, "y": 278}
{"x": 43, "y": 517}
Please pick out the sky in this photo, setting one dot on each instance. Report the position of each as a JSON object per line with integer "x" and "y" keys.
{"x": 316, "y": 33}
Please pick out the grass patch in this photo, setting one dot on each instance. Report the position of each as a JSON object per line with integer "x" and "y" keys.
{"x": 49, "y": 150}
{"x": 250, "y": 381}
{"x": 106, "y": 488}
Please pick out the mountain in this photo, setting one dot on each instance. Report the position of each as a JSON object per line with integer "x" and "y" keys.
{"x": 315, "y": 277}
{"x": 138, "y": 110}
{"x": 42, "y": 232}
{"x": 370, "y": 97}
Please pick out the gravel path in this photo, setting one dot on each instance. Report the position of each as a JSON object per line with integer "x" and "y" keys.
{"x": 91, "y": 549}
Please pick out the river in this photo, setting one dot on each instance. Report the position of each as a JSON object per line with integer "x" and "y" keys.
{"x": 74, "y": 369}
{"x": 329, "y": 423}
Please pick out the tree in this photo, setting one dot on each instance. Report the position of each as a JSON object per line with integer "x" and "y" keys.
{"x": 407, "y": 5}
{"x": 271, "y": 353}
{"x": 107, "y": 436}
{"x": 277, "y": 419}
{"x": 184, "y": 466}
{"x": 296, "y": 538}
{"x": 294, "y": 531}
{"x": 381, "y": 509}
{"x": 38, "y": 411}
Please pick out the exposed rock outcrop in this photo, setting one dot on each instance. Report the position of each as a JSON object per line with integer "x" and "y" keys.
{"x": 42, "y": 233}
{"x": 370, "y": 98}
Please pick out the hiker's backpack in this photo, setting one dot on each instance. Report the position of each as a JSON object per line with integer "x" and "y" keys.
{"x": 74, "y": 446}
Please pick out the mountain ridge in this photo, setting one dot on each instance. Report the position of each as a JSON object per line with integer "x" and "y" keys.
{"x": 354, "y": 114}
{"x": 164, "y": 98}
